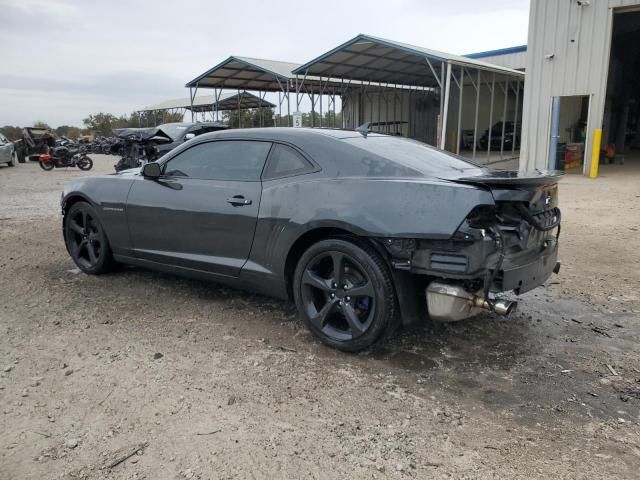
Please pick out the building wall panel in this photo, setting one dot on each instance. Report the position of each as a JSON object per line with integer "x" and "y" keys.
{"x": 568, "y": 54}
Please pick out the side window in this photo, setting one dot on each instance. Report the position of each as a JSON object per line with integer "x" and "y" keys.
{"x": 285, "y": 161}
{"x": 240, "y": 160}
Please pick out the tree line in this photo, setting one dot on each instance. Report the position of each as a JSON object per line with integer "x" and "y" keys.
{"x": 98, "y": 124}
{"x": 101, "y": 124}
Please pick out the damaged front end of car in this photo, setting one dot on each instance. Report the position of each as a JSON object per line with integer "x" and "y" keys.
{"x": 511, "y": 245}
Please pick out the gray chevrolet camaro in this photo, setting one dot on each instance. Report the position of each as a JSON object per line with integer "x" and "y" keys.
{"x": 365, "y": 232}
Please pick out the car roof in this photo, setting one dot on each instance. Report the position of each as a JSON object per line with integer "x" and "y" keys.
{"x": 340, "y": 153}
{"x": 287, "y": 133}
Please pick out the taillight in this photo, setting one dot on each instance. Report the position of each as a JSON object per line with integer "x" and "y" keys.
{"x": 45, "y": 157}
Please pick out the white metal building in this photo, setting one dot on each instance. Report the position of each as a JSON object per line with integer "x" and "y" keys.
{"x": 583, "y": 74}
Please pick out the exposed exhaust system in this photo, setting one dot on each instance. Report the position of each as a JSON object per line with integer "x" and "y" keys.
{"x": 450, "y": 303}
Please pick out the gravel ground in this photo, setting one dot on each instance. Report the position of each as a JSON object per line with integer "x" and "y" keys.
{"x": 137, "y": 374}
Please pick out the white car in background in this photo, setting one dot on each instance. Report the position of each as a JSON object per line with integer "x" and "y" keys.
{"x": 8, "y": 153}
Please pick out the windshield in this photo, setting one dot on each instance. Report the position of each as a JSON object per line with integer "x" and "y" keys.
{"x": 411, "y": 154}
{"x": 174, "y": 130}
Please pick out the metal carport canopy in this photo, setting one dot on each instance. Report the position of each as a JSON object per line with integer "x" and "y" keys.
{"x": 247, "y": 74}
{"x": 368, "y": 58}
{"x": 207, "y": 103}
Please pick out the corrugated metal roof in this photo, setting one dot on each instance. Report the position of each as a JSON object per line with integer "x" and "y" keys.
{"x": 369, "y": 58}
{"x": 226, "y": 101}
{"x": 246, "y": 73}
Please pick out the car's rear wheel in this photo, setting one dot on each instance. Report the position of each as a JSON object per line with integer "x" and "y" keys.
{"x": 344, "y": 292}
{"x": 86, "y": 239}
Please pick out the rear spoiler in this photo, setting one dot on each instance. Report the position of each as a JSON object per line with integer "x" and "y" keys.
{"x": 512, "y": 178}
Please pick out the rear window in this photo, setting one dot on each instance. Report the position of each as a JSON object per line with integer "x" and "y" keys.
{"x": 284, "y": 162}
{"x": 411, "y": 154}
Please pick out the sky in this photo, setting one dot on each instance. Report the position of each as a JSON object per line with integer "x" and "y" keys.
{"x": 64, "y": 59}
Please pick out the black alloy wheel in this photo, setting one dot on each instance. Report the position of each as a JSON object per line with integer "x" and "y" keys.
{"x": 344, "y": 292}
{"x": 46, "y": 165}
{"x": 85, "y": 238}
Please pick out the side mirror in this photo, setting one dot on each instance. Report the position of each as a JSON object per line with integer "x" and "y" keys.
{"x": 151, "y": 170}
{"x": 189, "y": 136}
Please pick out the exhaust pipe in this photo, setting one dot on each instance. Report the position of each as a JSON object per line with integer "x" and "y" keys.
{"x": 450, "y": 303}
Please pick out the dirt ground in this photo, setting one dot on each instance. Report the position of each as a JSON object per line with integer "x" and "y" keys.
{"x": 205, "y": 382}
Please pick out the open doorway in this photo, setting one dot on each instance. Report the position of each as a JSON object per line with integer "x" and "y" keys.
{"x": 569, "y": 117}
{"x": 621, "y": 122}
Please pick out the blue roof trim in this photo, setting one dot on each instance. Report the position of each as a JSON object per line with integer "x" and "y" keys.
{"x": 500, "y": 51}
{"x": 360, "y": 37}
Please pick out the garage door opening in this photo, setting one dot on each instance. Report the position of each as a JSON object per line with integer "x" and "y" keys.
{"x": 621, "y": 122}
{"x": 569, "y": 116}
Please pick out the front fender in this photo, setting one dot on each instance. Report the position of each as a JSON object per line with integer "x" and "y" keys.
{"x": 108, "y": 196}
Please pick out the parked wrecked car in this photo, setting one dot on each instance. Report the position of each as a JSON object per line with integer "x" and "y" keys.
{"x": 8, "y": 153}
{"x": 364, "y": 233}
{"x": 181, "y": 132}
{"x": 511, "y": 132}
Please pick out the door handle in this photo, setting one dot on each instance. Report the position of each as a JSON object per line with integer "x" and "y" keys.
{"x": 239, "y": 201}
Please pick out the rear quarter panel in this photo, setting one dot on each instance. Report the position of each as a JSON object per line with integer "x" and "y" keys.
{"x": 363, "y": 206}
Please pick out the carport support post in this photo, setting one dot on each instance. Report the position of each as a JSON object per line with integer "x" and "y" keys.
{"x": 504, "y": 116}
{"x": 288, "y": 106}
{"x": 313, "y": 107}
{"x": 493, "y": 90}
{"x": 239, "y": 120}
{"x": 475, "y": 122}
{"x": 279, "y": 110}
{"x": 515, "y": 118}
{"x": 192, "y": 95}
{"x": 320, "y": 96}
{"x": 460, "y": 110}
{"x": 447, "y": 88}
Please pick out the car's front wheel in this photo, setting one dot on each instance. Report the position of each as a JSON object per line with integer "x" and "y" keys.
{"x": 344, "y": 292}
{"x": 86, "y": 239}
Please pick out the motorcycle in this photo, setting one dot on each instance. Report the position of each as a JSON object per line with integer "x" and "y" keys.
{"x": 64, "y": 156}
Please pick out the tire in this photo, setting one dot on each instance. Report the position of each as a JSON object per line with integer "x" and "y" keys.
{"x": 352, "y": 318}
{"x": 46, "y": 165}
{"x": 85, "y": 164}
{"x": 14, "y": 160}
{"x": 86, "y": 240}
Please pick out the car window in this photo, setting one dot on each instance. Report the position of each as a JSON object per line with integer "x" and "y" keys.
{"x": 240, "y": 160}
{"x": 409, "y": 156}
{"x": 285, "y": 161}
{"x": 3, "y": 139}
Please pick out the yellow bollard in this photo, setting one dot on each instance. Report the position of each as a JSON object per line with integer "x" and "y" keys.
{"x": 595, "y": 153}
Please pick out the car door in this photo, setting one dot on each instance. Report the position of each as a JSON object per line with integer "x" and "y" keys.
{"x": 5, "y": 149}
{"x": 202, "y": 211}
